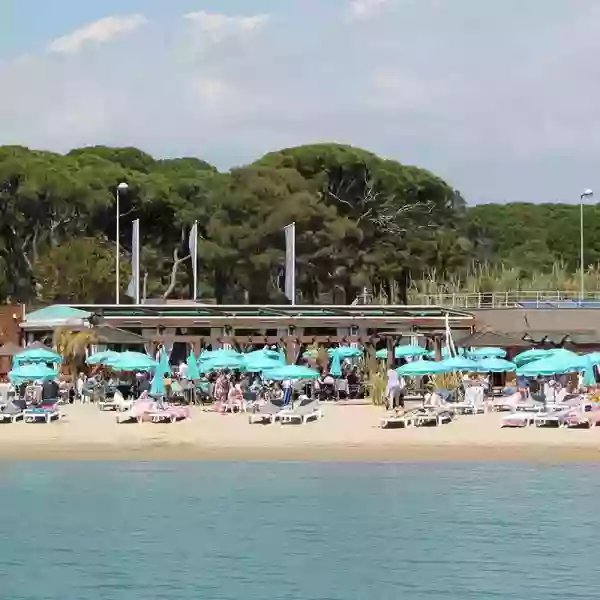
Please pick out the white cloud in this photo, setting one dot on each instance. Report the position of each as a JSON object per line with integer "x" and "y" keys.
{"x": 99, "y": 32}
{"x": 365, "y": 9}
{"x": 218, "y": 26}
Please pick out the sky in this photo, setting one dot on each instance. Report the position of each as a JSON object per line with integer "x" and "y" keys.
{"x": 501, "y": 99}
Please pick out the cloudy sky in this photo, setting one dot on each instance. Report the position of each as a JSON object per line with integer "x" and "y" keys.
{"x": 500, "y": 98}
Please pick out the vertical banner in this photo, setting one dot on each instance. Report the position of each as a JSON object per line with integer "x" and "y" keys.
{"x": 133, "y": 289}
{"x": 193, "y": 246}
{"x": 290, "y": 262}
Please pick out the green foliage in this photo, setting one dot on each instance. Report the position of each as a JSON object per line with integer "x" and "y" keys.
{"x": 362, "y": 222}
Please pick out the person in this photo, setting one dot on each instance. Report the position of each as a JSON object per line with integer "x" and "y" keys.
{"x": 79, "y": 386}
{"x": 183, "y": 370}
{"x": 393, "y": 389}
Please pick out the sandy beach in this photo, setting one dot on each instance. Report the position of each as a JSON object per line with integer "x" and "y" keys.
{"x": 346, "y": 433}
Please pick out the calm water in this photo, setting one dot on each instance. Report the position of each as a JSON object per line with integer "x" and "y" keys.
{"x": 298, "y": 532}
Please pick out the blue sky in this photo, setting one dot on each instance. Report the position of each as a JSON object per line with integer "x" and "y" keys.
{"x": 498, "y": 98}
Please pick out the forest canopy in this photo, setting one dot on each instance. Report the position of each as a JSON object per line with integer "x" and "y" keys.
{"x": 362, "y": 222}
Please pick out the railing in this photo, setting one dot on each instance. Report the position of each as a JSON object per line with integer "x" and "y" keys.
{"x": 548, "y": 299}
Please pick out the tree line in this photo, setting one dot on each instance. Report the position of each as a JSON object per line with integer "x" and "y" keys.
{"x": 361, "y": 221}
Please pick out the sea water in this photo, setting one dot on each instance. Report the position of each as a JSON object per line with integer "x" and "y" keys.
{"x": 298, "y": 531}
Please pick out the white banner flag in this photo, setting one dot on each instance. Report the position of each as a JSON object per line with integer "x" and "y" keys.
{"x": 133, "y": 290}
{"x": 193, "y": 246}
{"x": 290, "y": 262}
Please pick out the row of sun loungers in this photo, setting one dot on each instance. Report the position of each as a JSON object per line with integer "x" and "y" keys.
{"x": 147, "y": 410}
{"x": 17, "y": 410}
{"x": 417, "y": 417}
{"x": 307, "y": 410}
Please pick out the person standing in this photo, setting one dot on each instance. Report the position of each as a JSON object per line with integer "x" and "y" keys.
{"x": 393, "y": 389}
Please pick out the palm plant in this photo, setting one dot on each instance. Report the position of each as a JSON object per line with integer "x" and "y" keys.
{"x": 71, "y": 345}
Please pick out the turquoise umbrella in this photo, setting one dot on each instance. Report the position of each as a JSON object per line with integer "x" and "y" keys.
{"x": 420, "y": 367}
{"x": 445, "y": 353}
{"x": 496, "y": 365}
{"x": 131, "y": 361}
{"x": 410, "y": 350}
{"x": 37, "y": 355}
{"x": 282, "y": 358}
{"x": 459, "y": 363}
{"x": 192, "y": 367}
{"x": 223, "y": 361}
{"x": 101, "y": 357}
{"x": 262, "y": 353}
{"x": 336, "y": 365}
{"x": 554, "y": 364}
{"x": 530, "y": 356}
{"x": 257, "y": 364}
{"x": 476, "y": 353}
{"x": 157, "y": 386}
{"x": 345, "y": 352}
{"x": 163, "y": 363}
{"x": 589, "y": 376}
{"x": 291, "y": 372}
{"x": 32, "y": 372}
{"x": 209, "y": 354}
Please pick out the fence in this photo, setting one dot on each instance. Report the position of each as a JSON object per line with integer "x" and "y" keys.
{"x": 547, "y": 299}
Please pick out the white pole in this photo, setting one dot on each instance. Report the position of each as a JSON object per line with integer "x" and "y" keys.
{"x": 294, "y": 264}
{"x": 117, "y": 250}
{"x": 586, "y": 194}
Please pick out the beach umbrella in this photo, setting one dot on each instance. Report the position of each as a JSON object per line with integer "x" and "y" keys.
{"x": 336, "y": 365}
{"x": 459, "y": 363}
{"x": 32, "y": 372}
{"x": 265, "y": 352}
{"x": 445, "y": 353}
{"x": 209, "y": 354}
{"x": 258, "y": 364}
{"x": 192, "y": 367}
{"x": 530, "y": 356}
{"x": 282, "y": 357}
{"x": 345, "y": 352}
{"x": 589, "y": 376}
{"x": 594, "y": 358}
{"x": 420, "y": 367}
{"x": 410, "y": 350}
{"x": 555, "y": 363}
{"x": 37, "y": 355}
{"x": 495, "y": 365}
{"x": 157, "y": 385}
{"x": 291, "y": 372}
{"x": 476, "y": 353}
{"x": 101, "y": 357}
{"x": 222, "y": 361}
{"x": 163, "y": 363}
{"x": 131, "y": 362}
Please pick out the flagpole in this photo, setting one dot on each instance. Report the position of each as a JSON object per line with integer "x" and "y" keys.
{"x": 294, "y": 263}
{"x": 195, "y": 261}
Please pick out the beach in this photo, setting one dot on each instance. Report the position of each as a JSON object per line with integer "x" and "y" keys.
{"x": 345, "y": 433}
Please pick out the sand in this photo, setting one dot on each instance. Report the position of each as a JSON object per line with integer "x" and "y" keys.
{"x": 347, "y": 433}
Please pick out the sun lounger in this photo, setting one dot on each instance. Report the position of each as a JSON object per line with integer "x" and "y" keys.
{"x": 117, "y": 402}
{"x": 169, "y": 414}
{"x": 267, "y": 413}
{"x": 11, "y": 413}
{"x": 400, "y": 419}
{"x": 520, "y": 418}
{"x": 583, "y": 418}
{"x": 302, "y": 413}
{"x": 43, "y": 414}
{"x": 138, "y": 412}
{"x": 553, "y": 417}
{"x": 439, "y": 416}
{"x": 507, "y": 403}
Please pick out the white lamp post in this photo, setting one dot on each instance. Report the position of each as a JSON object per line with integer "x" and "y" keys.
{"x": 122, "y": 187}
{"x": 586, "y": 194}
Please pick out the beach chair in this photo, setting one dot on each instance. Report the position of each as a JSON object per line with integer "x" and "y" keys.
{"x": 12, "y": 412}
{"x": 507, "y": 403}
{"x": 169, "y": 414}
{"x": 401, "y": 418}
{"x": 553, "y": 417}
{"x": 304, "y": 412}
{"x": 583, "y": 417}
{"x": 138, "y": 412}
{"x": 267, "y": 413}
{"x": 519, "y": 418}
{"x": 437, "y": 416}
{"x": 473, "y": 403}
{"x": 42, "y": 414}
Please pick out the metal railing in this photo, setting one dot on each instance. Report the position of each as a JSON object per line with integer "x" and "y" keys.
{"x": 542, "y": 299}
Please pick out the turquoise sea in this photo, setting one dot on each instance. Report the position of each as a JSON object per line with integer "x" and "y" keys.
{"x": 298, "y": 531}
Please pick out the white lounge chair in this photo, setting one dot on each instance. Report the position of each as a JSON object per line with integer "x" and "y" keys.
{"x": 303, "y": 413}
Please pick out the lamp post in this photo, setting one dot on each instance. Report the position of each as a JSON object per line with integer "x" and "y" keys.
{"x": 122, "y": 187}
{"x": 586, "y": 194}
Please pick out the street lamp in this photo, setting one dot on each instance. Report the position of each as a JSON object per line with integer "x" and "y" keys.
{"x": 586, "y": 194}
{"x": 122, "y": 187}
